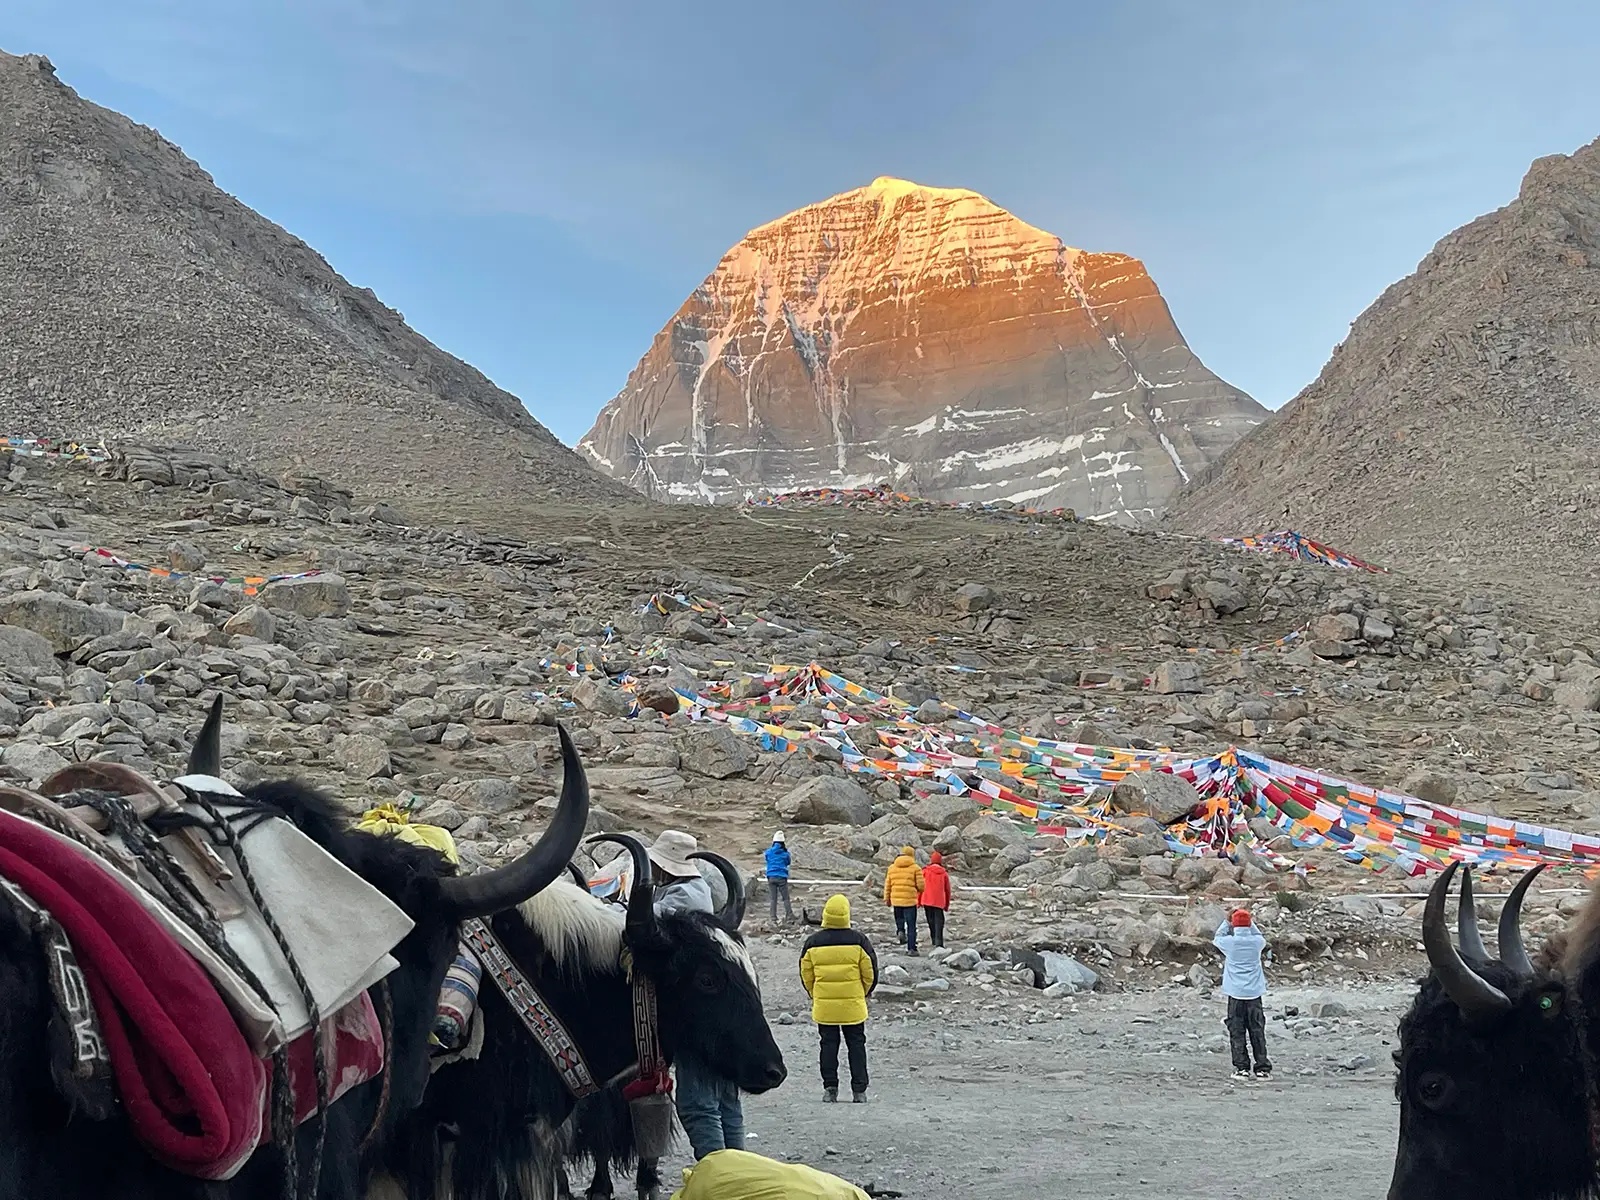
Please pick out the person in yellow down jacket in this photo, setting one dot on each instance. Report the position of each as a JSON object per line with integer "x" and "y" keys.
{"x": 839, "y": 970}
{"x": 902, "y": 889}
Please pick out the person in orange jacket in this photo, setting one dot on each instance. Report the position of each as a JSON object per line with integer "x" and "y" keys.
{"x": 936, "y": 891}
{"x": 902, "y": 888}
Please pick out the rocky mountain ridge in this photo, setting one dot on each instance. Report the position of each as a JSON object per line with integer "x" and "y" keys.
{"x": 1459, "y": 423}
{"x": 927, "y": 338}
{"x": 140, "y": 300}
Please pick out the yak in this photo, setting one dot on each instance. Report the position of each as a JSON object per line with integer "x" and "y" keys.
{"x": 48, "y": 1149}
{"x": 1497, "y": 1068}
{"x": 599, "y": 1131}
{"x": 489, "y": 1128}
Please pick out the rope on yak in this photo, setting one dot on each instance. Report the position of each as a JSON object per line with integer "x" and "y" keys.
{"x": 142, "y": 839}
{"x": 283, "y": 1097}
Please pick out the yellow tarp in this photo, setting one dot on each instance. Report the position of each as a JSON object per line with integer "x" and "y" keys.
{"x": 737, "y": 1175}
{"x": 386, "y": 819}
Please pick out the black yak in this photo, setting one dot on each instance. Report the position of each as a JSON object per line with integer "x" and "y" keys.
{"x": 490, "y": 1128}
{"x": 599, "y": 1132}
{"x": 1496, "y": 1062}
{"x": 48, "y": 1149}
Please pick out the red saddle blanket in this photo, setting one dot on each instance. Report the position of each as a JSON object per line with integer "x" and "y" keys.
{"x": 195, "y": 1094}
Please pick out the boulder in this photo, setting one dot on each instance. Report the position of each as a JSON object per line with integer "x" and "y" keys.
{"x": 600, "y": 696}
{"x": 1335, "y": 627}
{"x": 1064, "y": 969}
{"x": 524, "y": 708}
{"x": 948, "y": 840}
{"x": 1580, "y": 694}
{"x": 990, "y": 832}
{"x": 31, "y": 762}
{"x": 818, "y": 860}
{"x": 363, "y": 756}
{"x": 63, "y": 622}
{"x": 939, "y": 812}
{"x": 256, "y": 621}
{"x": 827, "y": 800}
{"x": 1008, "y": 859}
{"x": 1202, "y": 921}
{"x": 716, "y": 752}
{"x": 25, "y": 654}
{"x": 1091, "y": 877}
{"x": 1179, "y": 676}
{"x": 485, "y": 795}
{"x": 1156, "y": 794}
{"x": 316, "y": 596}
{"x": 1225, "y": 598}
{"x": 54, "y": 723}
{"x": 1425, "y": 783}
{"x": 975, "y": 597}
{"x": 657, "y": 694}
{"x": 1140, "y": 845}
{"x": 186, "y": 558}
{"x": 1377, "y": 631}
{"x": 893, "y": 830}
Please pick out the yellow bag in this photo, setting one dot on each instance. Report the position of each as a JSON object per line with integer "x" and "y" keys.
{"x": 737, "y": 1175}
{"x": 387, "y": 819}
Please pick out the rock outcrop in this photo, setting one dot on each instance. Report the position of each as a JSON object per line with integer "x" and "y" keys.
{"x": 140, "y": 301}
{"x": 1459, "y": 423}
{"x": 928, "y": 338}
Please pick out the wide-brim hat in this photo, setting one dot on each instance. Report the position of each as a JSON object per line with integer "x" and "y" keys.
{"x": 670, "y": 853}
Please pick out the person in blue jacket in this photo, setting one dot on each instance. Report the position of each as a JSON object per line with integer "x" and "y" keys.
{"x": 1244, "y": 983}
{"x": 778, "y": 877}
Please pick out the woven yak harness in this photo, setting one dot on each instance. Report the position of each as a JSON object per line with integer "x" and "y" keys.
{"x": 552, "y": 1036}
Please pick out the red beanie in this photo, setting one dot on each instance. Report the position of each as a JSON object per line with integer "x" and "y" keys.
{"x": 936, "y": 857}
{"x": 1240, "y": 918}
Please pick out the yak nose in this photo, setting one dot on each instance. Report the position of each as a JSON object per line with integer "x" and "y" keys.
{"x": 776, "y": 1074}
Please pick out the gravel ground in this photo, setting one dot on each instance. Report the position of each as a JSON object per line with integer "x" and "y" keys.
{"x": 1109, "y": 1096}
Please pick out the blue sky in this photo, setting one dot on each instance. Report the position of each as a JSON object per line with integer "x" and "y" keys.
{"x": 538, "y": 186}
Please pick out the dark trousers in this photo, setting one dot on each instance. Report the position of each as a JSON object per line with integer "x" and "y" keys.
{"x": 1247, "y": 1020}
{"x": 935, "y": 926}
{"x": 905, "y": 924}
{"x": 855, "y": 1041}
{"x": 775, "y": 889}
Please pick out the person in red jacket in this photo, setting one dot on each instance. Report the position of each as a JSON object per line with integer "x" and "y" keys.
{"x": 935, "y": 898}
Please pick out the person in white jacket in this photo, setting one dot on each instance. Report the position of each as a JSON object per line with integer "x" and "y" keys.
{"x": 1244, "y": 983}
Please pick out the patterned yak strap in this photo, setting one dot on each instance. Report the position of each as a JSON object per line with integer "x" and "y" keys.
{"x": 79, "y": 1062}
{"x": 655, "y": 1075}
{"x": 534, "y": 1013}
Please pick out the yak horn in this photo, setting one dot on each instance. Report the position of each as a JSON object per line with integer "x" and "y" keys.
{"x": 1477, "y": 998}
{"x": 1512, "y": 952}
{"x": 489, "y": 892}
{"x": 1472, "y": 947}
{"x": 732, "y": 913}
{"x": 206, "y": 756}
{"x": 641, "y": 921}
{"x": 577, "y": 876}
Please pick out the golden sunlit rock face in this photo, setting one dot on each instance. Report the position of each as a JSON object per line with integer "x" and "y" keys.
{"x": 927, "y": 338}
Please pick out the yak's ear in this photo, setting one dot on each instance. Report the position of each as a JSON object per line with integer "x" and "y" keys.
{"x": 206, "y": 756}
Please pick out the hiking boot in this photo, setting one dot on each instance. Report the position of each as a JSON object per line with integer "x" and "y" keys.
{"x": 830, "y": 1095}
{"x": 1243, "y": 1075}
{"x": 858, "y": 1097}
